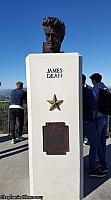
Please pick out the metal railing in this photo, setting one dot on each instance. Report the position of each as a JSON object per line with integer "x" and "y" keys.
{"x": 4, "y": 118}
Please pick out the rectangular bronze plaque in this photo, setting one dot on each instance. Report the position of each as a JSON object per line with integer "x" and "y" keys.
{"x": 55, "y": 138}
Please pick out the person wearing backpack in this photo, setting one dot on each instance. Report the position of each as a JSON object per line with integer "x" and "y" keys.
{"x": 89, "y": 127}
{"x": 101, "y": 122}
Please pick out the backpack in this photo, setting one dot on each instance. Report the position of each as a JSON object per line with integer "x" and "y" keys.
{"x": 104, "y": 102}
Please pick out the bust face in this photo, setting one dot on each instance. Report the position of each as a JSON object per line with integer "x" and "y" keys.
{"x": 53, "y": 39}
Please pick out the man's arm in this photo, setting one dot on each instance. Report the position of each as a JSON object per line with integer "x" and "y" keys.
{"x": 92, "y": 100}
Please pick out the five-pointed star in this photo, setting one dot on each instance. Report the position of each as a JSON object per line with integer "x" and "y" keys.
{"x": 55, "y": 103}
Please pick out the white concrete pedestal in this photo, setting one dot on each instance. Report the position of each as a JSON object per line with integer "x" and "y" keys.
{"x": 55, "y": 177}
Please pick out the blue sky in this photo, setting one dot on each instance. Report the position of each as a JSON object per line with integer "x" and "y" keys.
{"x": 88, "y": 31}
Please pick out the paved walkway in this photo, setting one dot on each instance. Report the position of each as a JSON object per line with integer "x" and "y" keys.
{"x": 14, "y": 172}
{"x": 97, "y": 188}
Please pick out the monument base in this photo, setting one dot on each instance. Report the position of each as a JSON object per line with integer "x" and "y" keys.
{"x": 55, "y": 125}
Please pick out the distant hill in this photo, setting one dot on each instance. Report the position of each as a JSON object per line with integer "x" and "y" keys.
{"x": 5, "y": 93}
{"x": 109, "y": 87}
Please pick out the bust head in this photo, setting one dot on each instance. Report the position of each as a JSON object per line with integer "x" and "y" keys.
{"x": 54, "y": 29}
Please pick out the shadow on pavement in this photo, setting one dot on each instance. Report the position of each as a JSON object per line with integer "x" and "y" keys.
{"x": 5, "y": 138}
{"x": 13, "y": 151}
{"x": 90, "y": 183}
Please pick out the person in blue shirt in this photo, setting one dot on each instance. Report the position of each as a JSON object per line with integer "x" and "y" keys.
{"x": 101, "y": 122}
{"x": 16, "y": 110}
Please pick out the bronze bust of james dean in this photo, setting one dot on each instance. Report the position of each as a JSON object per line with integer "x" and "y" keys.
{"x": 54, "y": 29}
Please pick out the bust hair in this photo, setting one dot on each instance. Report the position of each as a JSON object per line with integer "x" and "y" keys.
{"x": 56, "y": 24}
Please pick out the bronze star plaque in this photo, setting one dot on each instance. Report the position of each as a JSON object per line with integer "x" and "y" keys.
{"x": 55, "y": 138}
{"x": 55, "y": 103}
